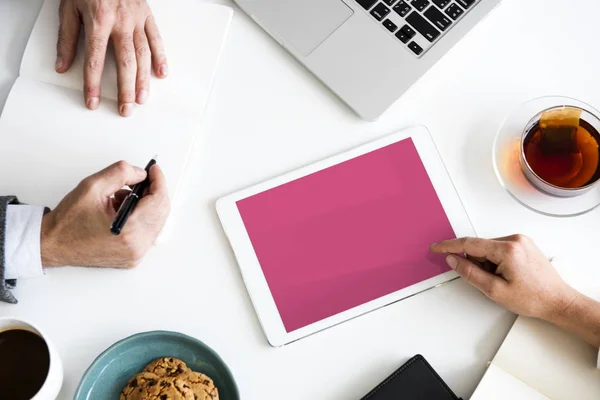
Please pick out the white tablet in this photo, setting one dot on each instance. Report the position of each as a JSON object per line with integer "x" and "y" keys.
{"x": 344, "y": 236}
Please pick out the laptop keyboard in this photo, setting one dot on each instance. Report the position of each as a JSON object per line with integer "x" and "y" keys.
{"x": 417, "y": 24}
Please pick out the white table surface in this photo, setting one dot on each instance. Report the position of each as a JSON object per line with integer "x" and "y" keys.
{"x": 267, "y": 115}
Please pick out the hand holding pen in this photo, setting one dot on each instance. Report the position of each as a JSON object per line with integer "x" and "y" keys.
{"x": 131, "y": 201}
{"x": 77, "y": 231}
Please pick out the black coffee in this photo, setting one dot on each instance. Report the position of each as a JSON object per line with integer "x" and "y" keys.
{"x": 24, "y": 364}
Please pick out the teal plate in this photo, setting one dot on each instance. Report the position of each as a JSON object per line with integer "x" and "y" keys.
{"x": 109, "y": 373}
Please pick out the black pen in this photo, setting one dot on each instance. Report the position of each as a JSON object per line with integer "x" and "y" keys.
{"x": 131, "y": 201}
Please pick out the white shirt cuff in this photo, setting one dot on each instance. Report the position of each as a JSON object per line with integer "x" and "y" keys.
{"x": 22, "y": 247}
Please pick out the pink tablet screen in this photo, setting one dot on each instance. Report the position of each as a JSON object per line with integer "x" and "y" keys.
{"x": 348, "y": 234}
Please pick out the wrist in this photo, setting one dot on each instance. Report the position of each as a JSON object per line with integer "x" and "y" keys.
{"x": 48, "y": 245}
{"x": 561, "y": 305}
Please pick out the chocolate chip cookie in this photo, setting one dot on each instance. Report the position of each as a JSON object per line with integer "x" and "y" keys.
{"x": 202, "y": 386}
{"x": 139, "y": 384}
{"x": 149, "y": 386}
{"x": 167, "y": 367}
{"x": 169, "y": 378}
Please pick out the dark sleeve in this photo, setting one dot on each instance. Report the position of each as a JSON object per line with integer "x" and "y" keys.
{"x": 5, "y": 285}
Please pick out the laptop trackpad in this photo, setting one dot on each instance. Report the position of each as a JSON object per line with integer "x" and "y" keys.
{"x": 304, "y": 24}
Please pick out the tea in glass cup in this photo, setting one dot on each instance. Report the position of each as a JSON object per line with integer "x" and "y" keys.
{"x": 560, "y": 151}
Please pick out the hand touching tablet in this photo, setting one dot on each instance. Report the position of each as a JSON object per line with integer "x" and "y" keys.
{"x": 514, "y": 273}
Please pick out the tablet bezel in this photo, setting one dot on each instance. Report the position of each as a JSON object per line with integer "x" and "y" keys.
{"x": 252, "y": 273}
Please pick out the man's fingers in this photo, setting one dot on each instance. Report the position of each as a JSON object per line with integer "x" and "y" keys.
{"x": 157, "y": 196}
{"x": 120, "y": 197}
{"x": 111, "y": 179}
{"x": 68, "y": 35}
{"x": 486, "y": 282}
{"x": 158, "y": 182}
{"x": 155, "y": 205}
{"x": 159, "y": 57}
{"x": 475, "y": 247}
{"x": 96, "y": 41}
{"x": 144, "y": 65}
{"x": 158, "y": 191}
{"x": 126, "y": 70}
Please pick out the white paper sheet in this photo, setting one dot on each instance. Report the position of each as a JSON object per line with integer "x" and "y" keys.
{"x": 49, "y": 141}
{"x": 550, "y": 360}
{"x": 498, "y": 385}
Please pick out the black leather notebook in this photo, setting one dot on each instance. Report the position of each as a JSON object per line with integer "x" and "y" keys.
{"x": 415, "y": 380}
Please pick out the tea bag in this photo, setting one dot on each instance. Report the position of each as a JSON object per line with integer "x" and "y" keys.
{"x": 559, "y": 130}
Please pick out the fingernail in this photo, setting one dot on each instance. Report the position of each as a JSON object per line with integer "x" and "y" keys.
{"x": 92, "y": 103}
{"x": 452, "y": 262}
{"x": 58, "y": 64}
{"x": 163, "y": 70}
{"x": 142, "y": 96}
{"x": 432, "y": 244}
{"x": 126, "y": 109}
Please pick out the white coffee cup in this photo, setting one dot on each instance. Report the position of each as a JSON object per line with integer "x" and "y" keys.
{"x": 53, "y": 382}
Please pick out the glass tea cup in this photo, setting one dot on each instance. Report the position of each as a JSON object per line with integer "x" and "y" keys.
{"x": 560, "y": 150}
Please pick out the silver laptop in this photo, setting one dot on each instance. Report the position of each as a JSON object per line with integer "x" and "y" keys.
{"x": 369, "y": 52}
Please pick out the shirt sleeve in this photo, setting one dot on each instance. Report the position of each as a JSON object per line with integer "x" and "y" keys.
{"x": 22, "y": 248}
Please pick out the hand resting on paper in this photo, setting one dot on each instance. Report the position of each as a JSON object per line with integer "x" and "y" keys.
{"x": 514, "y": 273}
{"x": 130, "y": 26}
{"x": 77, "y": 231}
